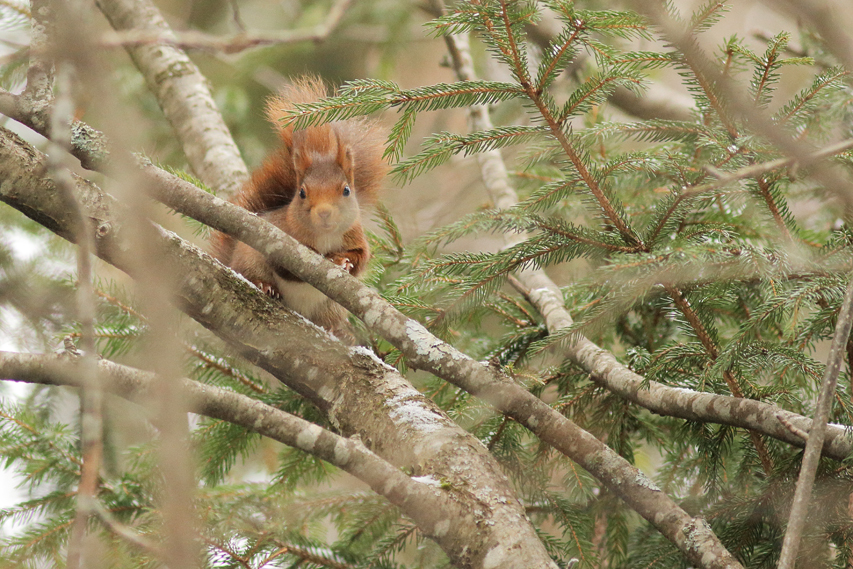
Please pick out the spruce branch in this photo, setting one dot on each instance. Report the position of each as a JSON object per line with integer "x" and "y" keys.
{"x": 710, "y": 345}
{"x": 362, "y": 97}
{"x": 557, "y": 307}
{"x": 124, "y": 532}
{"x": 607, "y": 371}
{"x": 737, "y": 101}
{"x": 502, "y": 192}
{"x": 822, "y": 85}
{"x": 816, "y": 433}
{"x": 518, "y": 66}
{"x": 830, "y": 22}
{"x": 657, "y": 102}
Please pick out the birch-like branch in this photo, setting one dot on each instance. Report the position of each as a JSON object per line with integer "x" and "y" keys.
{"x": 183, "y": 94}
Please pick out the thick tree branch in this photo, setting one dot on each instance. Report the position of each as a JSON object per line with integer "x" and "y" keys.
{"x": 358, "y": 393}
{"x": 88, "y": 145}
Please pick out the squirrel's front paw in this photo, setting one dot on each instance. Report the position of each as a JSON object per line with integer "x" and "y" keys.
{"x": 268, "y": 289}
{"x": 346, "y": 264}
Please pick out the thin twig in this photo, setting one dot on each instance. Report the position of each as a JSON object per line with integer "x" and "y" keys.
{"x": 236, "y": 43}
{"x": 802, "y": 495}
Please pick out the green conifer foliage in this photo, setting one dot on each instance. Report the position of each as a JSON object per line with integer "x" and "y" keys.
{"x": 692, "y": 264}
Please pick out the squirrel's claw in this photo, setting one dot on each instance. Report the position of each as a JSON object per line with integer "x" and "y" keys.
{"x": 269, "y": 289}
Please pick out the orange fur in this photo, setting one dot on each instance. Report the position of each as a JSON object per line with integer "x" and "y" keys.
{"x": 339, "y": 169}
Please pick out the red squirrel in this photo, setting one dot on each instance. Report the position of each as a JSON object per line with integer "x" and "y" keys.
{"x": 314, "y": 187}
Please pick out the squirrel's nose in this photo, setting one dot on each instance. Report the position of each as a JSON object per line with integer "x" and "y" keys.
{"x": 323, "y": 212}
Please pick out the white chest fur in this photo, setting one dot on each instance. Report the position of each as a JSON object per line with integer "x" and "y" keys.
{"x": 329, "y": 242}
{"x": 302, "y": 297}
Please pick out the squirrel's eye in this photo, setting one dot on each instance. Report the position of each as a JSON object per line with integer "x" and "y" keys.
{"x": 346, "y": 190}
{"x": 302, "y": 193}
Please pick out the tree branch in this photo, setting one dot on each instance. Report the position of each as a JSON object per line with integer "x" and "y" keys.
{"x": 427, "y": 352}
{"x": 608, "y": 372}
{"x": 602, "y": 366}
{"x": 657, "y": 102}
{"x": 88, "y": 145}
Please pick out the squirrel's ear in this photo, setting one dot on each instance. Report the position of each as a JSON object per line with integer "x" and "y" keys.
{"x": 301, "y": 160}
{"x": 345, "y": 160}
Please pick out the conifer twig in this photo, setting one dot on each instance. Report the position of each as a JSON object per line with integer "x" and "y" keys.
{"x": 658, "y": 101}
{"x": 125, "y": 532}
{"x": 802, "y": 495}
{"x": 735, "y": 99}
{"x": 713, "y": 351}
